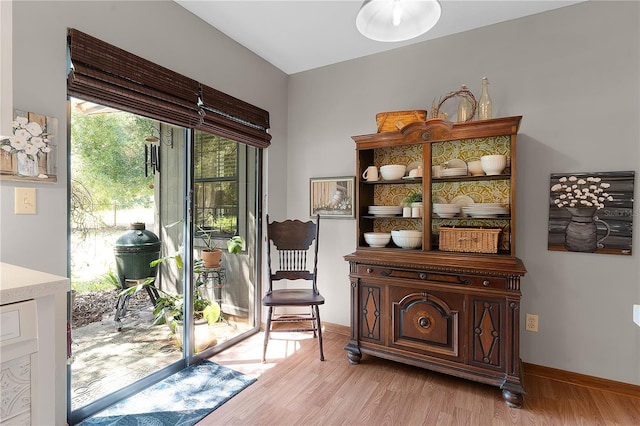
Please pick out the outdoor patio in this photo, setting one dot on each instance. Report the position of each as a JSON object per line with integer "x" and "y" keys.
{"x": 105, "y": 359}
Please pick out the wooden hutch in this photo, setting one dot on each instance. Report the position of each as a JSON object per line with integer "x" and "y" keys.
{"x": 452, "y": 312}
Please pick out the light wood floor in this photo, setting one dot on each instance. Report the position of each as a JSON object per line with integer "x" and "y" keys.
{"x": 295, "y": 388}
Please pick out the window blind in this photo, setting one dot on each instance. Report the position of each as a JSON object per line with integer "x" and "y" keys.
{"x": 105, "y": 74}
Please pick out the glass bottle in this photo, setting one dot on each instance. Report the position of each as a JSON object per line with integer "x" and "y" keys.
{"x": 464, "y": 107}
{"x": 484, "y": 104}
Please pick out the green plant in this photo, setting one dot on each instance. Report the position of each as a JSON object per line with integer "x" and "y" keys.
{"x": 234, "y": 244}
{"x": 111, "y": 278}
{"x": 170, "y": 305}
{"x": 414, "y": 197}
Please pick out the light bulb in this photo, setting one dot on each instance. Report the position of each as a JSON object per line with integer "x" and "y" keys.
{"x": 397, "y": 20}
{"x": 397, "y": 13}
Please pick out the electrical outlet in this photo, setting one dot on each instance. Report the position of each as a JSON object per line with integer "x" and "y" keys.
{"x": 531, "y": 322}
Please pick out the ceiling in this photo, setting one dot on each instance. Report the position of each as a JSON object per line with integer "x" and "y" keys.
{"x": 299, "y": 35}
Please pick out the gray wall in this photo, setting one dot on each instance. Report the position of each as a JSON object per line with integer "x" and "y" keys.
{"x": 160, "y": 31}
{"x": 572, "y": 73}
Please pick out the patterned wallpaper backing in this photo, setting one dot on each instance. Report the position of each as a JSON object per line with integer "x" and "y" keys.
{"x": 487, "y": 191}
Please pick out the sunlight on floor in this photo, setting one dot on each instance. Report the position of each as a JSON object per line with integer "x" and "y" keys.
{"x": 246, "y": 356}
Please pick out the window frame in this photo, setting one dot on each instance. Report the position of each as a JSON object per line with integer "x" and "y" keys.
{"x": 241, "y": 174}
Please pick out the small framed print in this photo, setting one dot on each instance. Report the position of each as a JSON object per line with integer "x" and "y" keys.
{"x": 332, "y": 197}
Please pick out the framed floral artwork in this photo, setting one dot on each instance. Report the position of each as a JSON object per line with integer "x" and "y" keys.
{"x": 332, "y": 197}
{"x": 591, "y": 212}
{"x": 29, "y": 153}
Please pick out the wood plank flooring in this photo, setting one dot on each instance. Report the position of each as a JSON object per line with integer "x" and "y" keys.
{"x": 295, "y": 388}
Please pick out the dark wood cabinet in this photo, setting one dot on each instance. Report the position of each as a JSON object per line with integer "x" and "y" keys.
{"x": 452, "y": 312}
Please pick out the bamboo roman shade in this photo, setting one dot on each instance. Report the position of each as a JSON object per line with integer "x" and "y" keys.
{"x": 108, "y": 75}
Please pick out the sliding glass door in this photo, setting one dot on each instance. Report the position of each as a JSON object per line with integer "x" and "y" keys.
{"x": 185, "y": 183}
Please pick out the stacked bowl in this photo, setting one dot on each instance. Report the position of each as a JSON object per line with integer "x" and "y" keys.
{"x": 377, "y": 239}
{"x": 493, "y": 164}
{"x": 446, "y": 210}
{"x": 407, "y": 238}
{"x": 393, "y": 171}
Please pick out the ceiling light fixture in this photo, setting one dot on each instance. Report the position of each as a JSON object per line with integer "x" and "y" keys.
{"x": 397, "y": 20}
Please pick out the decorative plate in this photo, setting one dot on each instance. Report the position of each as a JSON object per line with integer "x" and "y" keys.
{"x": 462, "y": 200}
{"x": 455, "y": 163}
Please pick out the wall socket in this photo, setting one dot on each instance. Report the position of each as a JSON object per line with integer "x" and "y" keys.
{"x": 531, "y": 322}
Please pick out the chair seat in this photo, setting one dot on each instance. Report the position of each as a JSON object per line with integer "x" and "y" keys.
{"x": 293, "y": 297}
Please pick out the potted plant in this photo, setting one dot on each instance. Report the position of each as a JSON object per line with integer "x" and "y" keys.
{"x": 212, "y": 254}
{"x": 169, "y": 307}
{"x": 414, "y": 197}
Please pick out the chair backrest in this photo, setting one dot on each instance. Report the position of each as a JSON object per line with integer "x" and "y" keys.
{"x": 297, "y": 254}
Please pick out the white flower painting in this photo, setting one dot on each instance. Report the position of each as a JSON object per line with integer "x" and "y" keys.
{"x": 29, "y": 153}
{"x": 591, "y": 212}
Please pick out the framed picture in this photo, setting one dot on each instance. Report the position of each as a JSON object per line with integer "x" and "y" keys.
{"x": 591, "y": 212}
{"x": 332, "y": 197}
{"x": 29, "y": 154}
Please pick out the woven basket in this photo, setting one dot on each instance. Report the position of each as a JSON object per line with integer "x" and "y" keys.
{"x": 469, "y": 240}
{"x": 396, "y": 120}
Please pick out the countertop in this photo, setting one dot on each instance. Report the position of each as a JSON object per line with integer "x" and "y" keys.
{"x": 18, "y": 283}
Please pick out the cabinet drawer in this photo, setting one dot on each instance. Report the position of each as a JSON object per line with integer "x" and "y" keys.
{"x": 497, "y": 283}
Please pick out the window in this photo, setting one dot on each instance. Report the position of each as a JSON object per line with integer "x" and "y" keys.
{"x": 216, "y": 175}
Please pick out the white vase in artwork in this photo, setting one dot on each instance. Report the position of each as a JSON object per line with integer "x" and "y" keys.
{"x": 27, "y": 166}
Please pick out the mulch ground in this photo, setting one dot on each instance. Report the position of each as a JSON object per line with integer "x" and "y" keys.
{"x": 92, "y": 306}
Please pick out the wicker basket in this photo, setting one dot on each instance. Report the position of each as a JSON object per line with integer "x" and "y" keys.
{"x": 396, "y": 120}
{"x": 469, "y": 240}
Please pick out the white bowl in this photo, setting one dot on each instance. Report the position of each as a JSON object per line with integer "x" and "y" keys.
{"x": 407, "y": 238}
{"x": 377, "y": 239}
{"x": 393, "y": 171}
{"x": 446, "y": 208}
{"x": 493, "y": 164}
{"x": 475, "y": 168}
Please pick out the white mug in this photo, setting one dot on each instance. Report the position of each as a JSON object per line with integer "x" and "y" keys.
{"x": 371, "y": 174}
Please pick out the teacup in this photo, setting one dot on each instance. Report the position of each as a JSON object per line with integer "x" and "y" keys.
{"x": 371, "y": 174}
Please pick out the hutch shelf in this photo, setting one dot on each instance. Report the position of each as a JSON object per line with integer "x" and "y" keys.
{"x": 454, "y": 312}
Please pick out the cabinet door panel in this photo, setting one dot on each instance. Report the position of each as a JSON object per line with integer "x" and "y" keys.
{"x": 427, "y": 322}
{"x": 370, "y": 313}
{"x": 487, "y": 335}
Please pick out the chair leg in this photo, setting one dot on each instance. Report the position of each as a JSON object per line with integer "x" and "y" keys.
{"x": 267, "y": 329}
{"x": 314, "y": 321}
{"x": 319, "y": 324}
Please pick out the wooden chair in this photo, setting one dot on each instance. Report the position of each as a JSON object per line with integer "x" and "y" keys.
{"x": 297, "y": 257}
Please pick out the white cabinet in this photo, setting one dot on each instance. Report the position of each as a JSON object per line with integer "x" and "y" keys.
{"x": 33, "y": 346}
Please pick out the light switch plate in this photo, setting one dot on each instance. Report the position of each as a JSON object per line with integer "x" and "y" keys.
{"x": 636, "y": 314}
{"x": 25, "y": 201}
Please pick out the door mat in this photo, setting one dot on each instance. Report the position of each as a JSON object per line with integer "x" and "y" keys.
{"x": 181, "y": 399}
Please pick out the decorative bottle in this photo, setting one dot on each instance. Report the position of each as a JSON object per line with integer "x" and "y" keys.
{"x": 484, "y": 104}
{"x": 464, "y": 107}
